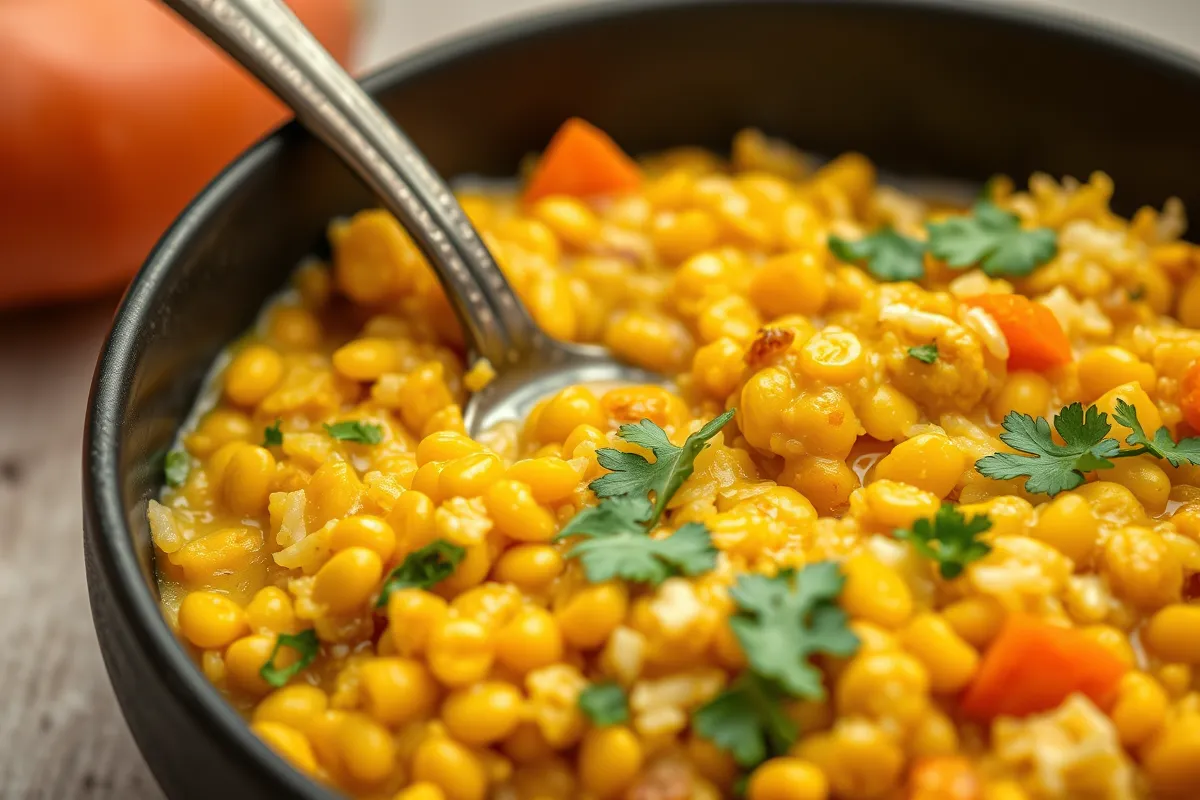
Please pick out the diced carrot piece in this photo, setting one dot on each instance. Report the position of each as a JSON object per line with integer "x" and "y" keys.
{"x": 1033, "y": 666}
{"x": 1035, "y": 339}
{"x": 582, "y": 161}
{"x": 943, "y": 778}
{"x": 1189, "y": 395}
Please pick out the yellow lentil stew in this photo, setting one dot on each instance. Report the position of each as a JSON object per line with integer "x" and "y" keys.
{"x": 919, "y": 519}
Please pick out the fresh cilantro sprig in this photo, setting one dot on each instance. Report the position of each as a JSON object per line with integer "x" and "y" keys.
{"x": 949, "y": 538}
{"x": 616, "y": 533}
{"x": 355, "y": 431}
{"x": 992, "y": 238}
{"x": 633, "y": 473}
{"x": 1052, "y": 468}
{"x": 782, "y": 622}
{"x": 304, "y": 643}
{"x": 989, "y": 236}
{"x": 925, "y": 353}
{"x": 604, "y": 704}
{"x": 887, "y": 255}
{"x": 617, "y": 544}
{"x": 273, "y": 434}
{"x": 747, "y": 720}
{"x": 423, "y": 569}
{"x": 1162, "y": 445}
{"x": 176, "y": 468}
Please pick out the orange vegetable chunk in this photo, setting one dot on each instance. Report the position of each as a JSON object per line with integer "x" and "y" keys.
{"x": 1035, "y": 339}
{"x": 1033, "y": 666}
{"x": 582, "y": 161}
{"x": 1189, "y": 395}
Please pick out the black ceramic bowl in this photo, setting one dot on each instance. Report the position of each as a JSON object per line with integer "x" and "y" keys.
{"x": 925, "y": 87}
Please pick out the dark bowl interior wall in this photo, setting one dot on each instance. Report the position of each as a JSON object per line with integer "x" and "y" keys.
{"x": 920, "y": 87}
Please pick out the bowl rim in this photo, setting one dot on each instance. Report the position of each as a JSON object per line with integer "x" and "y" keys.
{"x": 106, "y": 514}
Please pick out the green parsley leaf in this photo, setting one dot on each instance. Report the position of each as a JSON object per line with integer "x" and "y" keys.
{"x": 783, "y": 621}
{"x": 949, "y": 538}
{"x": 423, "y": 569}
{"x": 176, "y": 467}
{"x": 355, "y": 431}
{"x": 887, "y": 255}
{"x": 618, "y": 515}
{"x": 305, "y": 643}
{"x": 992, "y": 238}
{"x": 632, "y": 473}
{"x": 604, "y": 704}
{"x": 618, "y": 545}
{"x": 1137, "y": 293}
{"x": 925, "y": 353}
{"x": 1051, "y": 467}
{"x": 273, "y": 435}
{"x": 1162, "y": 445}
{"x": 747, "y": 720}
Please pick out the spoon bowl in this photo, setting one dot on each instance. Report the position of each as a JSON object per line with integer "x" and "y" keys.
{"x": 267, "y": 39}
{"x": 552, "y": 366}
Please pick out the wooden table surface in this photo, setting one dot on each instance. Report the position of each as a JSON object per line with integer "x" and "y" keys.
{"x": 61, "y": 734}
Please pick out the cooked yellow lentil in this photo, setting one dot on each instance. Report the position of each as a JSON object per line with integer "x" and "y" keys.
{"x": 719, "y": 275}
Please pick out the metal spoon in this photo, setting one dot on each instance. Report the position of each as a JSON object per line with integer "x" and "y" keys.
{"x": 270, "y": 42}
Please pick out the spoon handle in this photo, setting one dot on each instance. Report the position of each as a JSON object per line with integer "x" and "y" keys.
{"x": 270, "y": 42}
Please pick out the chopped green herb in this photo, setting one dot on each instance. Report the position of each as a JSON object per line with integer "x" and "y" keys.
{"x": 1052, "y": 467}
{"x": 273, "y": 434}
{"x": 747, "y": 720}
{"x": 305, "y": 643}
{"x": 992, "y": 238}
{"x": 423, "y": 569}
{"x": 604, "y": 704}
{"x": 925, "y": 353}
{"x": 639, "y": 557}
{"x": 176, "y": 467}
{"x": 618, "y": 544}
{"x": 632, "y": 473}
{"x": 781, "y": 622}
{"x": 887, "y": 255}
{"x": 949, "y": 538}
{"x": 1186, "y": 451}
{"x": 355, "y": 431}
{"x": 612, "y": 517}
{"x": 1136, "y": 293}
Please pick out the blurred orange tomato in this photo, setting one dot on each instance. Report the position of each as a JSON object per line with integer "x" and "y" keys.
{"x": 114, "y": 115}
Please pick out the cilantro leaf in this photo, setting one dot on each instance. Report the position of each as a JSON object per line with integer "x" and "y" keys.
{"x": 305, "y": 643}
{"x": 887, "y": 255}
{"x": 423, "y": 569}
{"x": 1051, "y": 467}
{"x": 273, "y": 435}
{"x": 355, "y": 431}
{"x": 1186, "y": 451}
{"x": 992, "y": 238}
{"x": 176, "y": 467}
{"x": 925, "y": 353}
{"x": 949, "y": 538}
{"x": 627, "y": 514}
{"x": 626, "y": 550}
{"x": 783, "y": 621}
{"x": 632, "y": 473}
{"x": 604, "y": 704}
{"x": 747, "y": 720}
